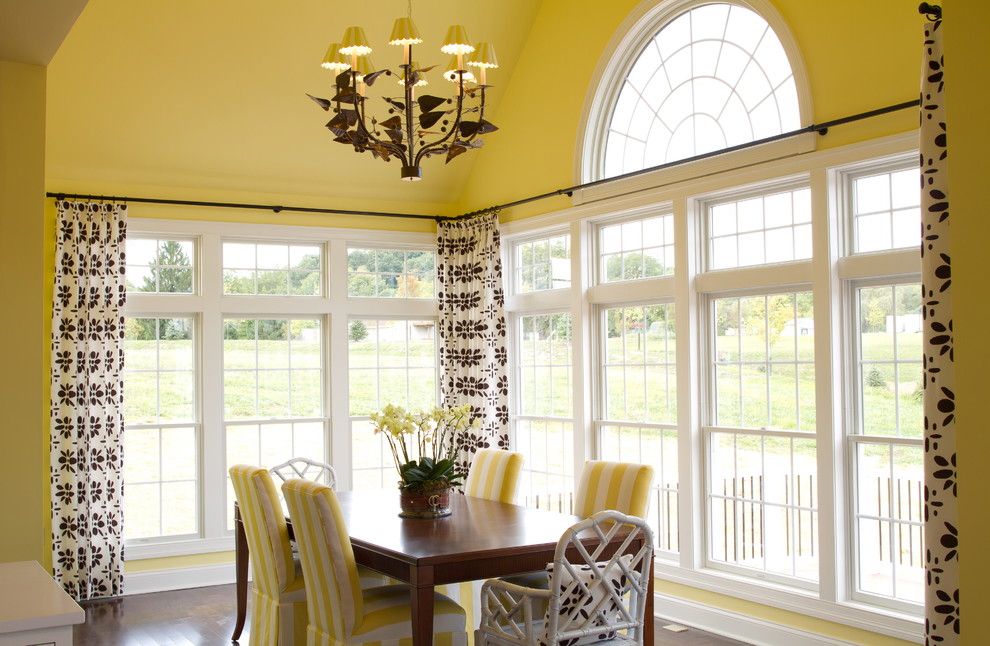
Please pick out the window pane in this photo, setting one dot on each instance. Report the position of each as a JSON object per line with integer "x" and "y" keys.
{"x": 890, "y": 370}
{"x": 272, "y": 269}
{"x": 642, "y": 248}
{"x": 542, "y": 264}
{"x": 889, "y": 508}
{"x": 759, "y": 230}
{"x": 885, "y": 211}
{"x": 390, "y": 361}
{"x": 763, "y": 503}
{"x": 390, "y": 273}
{"x": 764, "y": 361}
{"x": 543, "y": 370}
{"x": 692, "y": 90}
{"x": 272, "y": 368}
{"x": 160, "y": 266}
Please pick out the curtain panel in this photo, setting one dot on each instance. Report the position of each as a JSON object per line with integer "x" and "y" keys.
{"x": 473, "y": 353}
{"x": 86, "y": 399}
{"x": 941, "y": 510}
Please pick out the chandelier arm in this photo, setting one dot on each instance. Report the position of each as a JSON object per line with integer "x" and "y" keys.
{"x": 453, "y": 128}
{"x": 481, "y": 117}
{"x": 359, "y": 107}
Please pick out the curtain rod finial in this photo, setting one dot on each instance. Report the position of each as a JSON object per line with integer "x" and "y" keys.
{"x": 933, "y": 11}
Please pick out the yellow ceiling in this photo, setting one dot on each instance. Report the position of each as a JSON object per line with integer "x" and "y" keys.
{"x": 30, "y": 32}
{"x": 210, "y": 96}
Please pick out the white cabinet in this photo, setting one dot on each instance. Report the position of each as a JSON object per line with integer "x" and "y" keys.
{"x": 34, "y": 610}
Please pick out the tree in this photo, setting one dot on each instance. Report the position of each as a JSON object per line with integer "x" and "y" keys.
{"x": 173, "y": 268}
{"x": 358, "y": 331}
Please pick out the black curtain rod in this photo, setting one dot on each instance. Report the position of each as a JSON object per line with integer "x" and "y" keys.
{"x": 820, "y": 128}
{"x": 239, "y": 205}
{"x": 932, "y": 11}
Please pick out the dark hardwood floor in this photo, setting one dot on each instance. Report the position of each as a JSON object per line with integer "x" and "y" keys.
{"x": 206, "y": 616}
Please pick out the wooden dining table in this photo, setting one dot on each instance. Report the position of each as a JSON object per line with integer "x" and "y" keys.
{"x": 481, "y": 539}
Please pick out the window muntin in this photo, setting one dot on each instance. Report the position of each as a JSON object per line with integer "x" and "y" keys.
{"x": 888, "y": 501}
{"x": 161, "y": 469}
{"x": 769, "y": 228}
{"x": 714, "y": 77}
{"x": 160, "y": 266}
{"x": 885, "y": 210}
{"x": 543, "y": 425}
{"x": 762, "y": 495}
{"x": 390, "y": 273}
{"x": 763, "y": 365}
{"x": 389, "y": 361}
{"x": 639, "y": 403}
{"x": 542, "y": 264}
{"x": 640, "y": 248}
{"x": 275, "y": 269}
{"x": 272, "y": 368}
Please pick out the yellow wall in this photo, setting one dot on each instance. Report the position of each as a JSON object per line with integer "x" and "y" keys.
{"x": 24, "y": 379}
{"x": 967, "y": 56}
{"x": 858, "y": 55}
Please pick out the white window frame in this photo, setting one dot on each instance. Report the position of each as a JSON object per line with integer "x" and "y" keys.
{"x": 436, "y": 359}
{"x": 708, "y": 427}
{"x": 826, "y": 272}
{"x": 845, "y": 178}
{"x": 640, "y": 26}
{"x": 382, "y": 246}
{"x": 599, "y": 404}
{"x": 259, "y": 240}
{"x": 195, "y": 267}
{"x": 210, "y": 306}
{"x": 195, "y": 423}
{"x": 663, "y": 211}
{"x": 509, "y": 261}
{"x": 854, "y": 437}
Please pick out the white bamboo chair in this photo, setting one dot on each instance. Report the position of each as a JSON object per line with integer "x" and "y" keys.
{"x": 592, "y": 600}
{"x": 316, "y": 471}
{"x": 306, "y": 469}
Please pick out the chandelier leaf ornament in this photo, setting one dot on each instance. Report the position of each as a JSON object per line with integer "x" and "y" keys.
{"x": 413, "y": 127}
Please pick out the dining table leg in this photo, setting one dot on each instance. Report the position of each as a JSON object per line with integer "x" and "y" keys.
{"x": 422, "y": 607}
{"x": 650, "y": 620}
{"x": 240, "y": 573}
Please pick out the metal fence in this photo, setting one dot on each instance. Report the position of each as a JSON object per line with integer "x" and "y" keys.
{"x": 897, "y": 500}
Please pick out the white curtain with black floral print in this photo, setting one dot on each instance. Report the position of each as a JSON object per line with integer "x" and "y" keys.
{"x": 86, "y": 409}
{"x": 941, "y": 510}
{"x": 473, "y": 353}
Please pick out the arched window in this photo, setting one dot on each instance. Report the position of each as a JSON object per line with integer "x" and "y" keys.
{"x": 706, "y": 78}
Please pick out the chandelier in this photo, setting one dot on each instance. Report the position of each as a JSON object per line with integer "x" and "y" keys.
{"x": 416, "y": 127}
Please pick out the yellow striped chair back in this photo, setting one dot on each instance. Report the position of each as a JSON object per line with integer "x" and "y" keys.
{"x": 494, "y": 475}
{"x": 621, "y": 486}
{"x": 334, "y": 599}
{"x": 265, "y": 527}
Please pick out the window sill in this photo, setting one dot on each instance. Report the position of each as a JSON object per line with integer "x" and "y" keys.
{"x": 848, "y": 613}
{"x": 181, "y": 547}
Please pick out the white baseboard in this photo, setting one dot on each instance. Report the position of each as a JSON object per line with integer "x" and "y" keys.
{"x": 736, "y": 626}
{"x": 178, "y": 578}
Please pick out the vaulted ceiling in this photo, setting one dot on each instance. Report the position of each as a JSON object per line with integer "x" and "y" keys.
{"x": 210, "y": 96}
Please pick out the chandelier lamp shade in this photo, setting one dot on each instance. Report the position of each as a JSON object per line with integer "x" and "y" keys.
{"x": 406, "y": 127}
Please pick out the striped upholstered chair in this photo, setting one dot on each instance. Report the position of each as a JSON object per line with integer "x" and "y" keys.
{"x": 494, "y": 475}
{"x": 278, "y": 610}
{"x": 617, "y": 486}
{"x": 340, "y": 611}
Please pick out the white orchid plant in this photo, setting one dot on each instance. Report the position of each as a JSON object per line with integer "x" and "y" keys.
{"x": 424, "y": 444}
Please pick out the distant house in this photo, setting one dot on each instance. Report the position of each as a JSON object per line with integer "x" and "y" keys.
{"x": 799, "y": 327}
{"x": 904, "y": 323}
